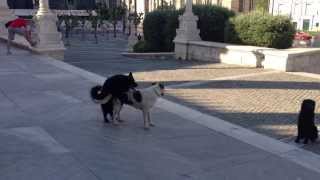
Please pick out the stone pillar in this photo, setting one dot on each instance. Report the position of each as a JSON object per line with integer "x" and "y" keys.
{"x": 186, "y": 32}
{"x": 132, "y": 39}
{"x": 50, "y": 40}
{"x": 5, "y": 15}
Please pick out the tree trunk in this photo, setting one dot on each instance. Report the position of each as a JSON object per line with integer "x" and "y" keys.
{"x": 114, "y": 30}
{"x": 95, "y": 35}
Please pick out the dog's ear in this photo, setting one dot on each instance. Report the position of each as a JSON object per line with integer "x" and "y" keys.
{"x": 130, "y": 76}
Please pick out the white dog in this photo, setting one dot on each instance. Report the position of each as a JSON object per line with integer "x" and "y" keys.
{"x": 143, "y": 99}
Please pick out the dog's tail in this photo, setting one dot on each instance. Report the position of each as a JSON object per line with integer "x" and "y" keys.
{"x": 99, "y": 96}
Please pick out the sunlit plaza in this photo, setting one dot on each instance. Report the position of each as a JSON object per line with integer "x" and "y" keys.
{"x": 236, "y": 76}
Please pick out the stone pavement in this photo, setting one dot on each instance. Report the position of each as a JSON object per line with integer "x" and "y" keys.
{"x": 265, "y": 101}
{"x": 50, "y": 129}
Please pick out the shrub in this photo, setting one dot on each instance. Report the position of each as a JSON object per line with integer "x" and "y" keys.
{"x": 259, "y": 29}
{"x": 212, "y": 20}
{"x": 159, "y": 27}
{"x": 140, "y": 47}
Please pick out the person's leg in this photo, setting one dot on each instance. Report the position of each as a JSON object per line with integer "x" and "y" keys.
{"x": 10, "y": 39}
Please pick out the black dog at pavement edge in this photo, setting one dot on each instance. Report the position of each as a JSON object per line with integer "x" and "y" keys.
{"x": 307, "y": 129}
{"x": 113, "y": 89}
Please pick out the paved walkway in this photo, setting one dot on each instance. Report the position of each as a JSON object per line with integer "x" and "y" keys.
{"x": 265, "y": 101}
{"x": 50, "y": 129}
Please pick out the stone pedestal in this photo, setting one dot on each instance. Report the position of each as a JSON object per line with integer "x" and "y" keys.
{"x": 132, "y": 40}
{"x": 187, "y": 31}
{"x": 5, "y": 15}
{"x": 50, "y": 40}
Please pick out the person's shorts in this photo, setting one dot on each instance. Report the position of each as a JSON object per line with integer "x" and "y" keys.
{"x": 13, "y": 31}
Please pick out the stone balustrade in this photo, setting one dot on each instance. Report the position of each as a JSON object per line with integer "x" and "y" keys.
{"x": 290, "y": 60}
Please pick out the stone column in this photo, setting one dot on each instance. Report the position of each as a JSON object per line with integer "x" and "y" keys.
{"x": 50, "y": 40}
{"x": 186, "y": 32}
{"x": 5, "y": 15}
{"x": 132, "y": 39}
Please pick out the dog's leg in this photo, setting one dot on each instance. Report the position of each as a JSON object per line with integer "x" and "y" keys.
{"x": 149, "y": 118}
{"x": 118, "y": 114}
{"x": 298, "y": 139}
{"x": 116, "y": 111}
{"x": 115, "y": 116}
{"x": 105, "y": 114}
{"x": 306, "y": 140}
{"x": 145, "y": 120}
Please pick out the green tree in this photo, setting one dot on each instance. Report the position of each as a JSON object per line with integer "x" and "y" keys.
{"x": 137, "y": 18}
{"x": 116, "y": 14}
{"x": 103, "y": 14}
{"x": 94, "y": 19}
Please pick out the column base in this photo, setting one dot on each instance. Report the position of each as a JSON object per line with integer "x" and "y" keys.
{"x": 56, "y": 53}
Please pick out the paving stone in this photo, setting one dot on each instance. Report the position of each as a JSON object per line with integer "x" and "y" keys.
{"x": 47, "y": 116}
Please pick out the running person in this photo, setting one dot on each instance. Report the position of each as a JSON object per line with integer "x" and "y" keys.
{"x": 21, "y": 27}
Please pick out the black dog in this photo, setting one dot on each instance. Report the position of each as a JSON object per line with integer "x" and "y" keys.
{"x": 113, "y": 89}
{"x": 307, "y": 130}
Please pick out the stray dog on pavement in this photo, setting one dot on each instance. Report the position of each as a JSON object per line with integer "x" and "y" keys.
{"x": 113, "y": 91}
{"x": 307, "y": 129}
{"x": 143, "y": 99}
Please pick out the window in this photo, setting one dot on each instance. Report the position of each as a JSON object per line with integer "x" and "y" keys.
{"x": 251, "y": 5}
{"x": 306, "y": 24}
{"x": 241, "y": 5}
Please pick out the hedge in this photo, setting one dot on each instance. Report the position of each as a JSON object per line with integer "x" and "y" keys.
{"x": 212, "y": 20}
{"x": 260, "y": 29}
{"x": 159, "y": 27}
{"x": 140, "y": 47}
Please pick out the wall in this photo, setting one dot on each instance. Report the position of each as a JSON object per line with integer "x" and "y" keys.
{"x": 295, "y": 59}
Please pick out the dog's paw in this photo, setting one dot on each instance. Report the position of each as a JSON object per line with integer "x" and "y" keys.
{"x": 115, "y": 123}
{"x": 121, "y": 121}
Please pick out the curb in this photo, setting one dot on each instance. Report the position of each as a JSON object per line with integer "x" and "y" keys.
{"x": 161, "y": 55}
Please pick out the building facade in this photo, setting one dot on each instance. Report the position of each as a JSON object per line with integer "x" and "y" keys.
{"x": 54, "y": 4}
{"x": 20, "y": 4}
{"x": 235, "y": 5}
{"x": 142, "y": 6}
{"x": 303, "y": 13}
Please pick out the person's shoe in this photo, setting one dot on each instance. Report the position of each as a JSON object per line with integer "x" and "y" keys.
{"x": 9, "y": 53}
